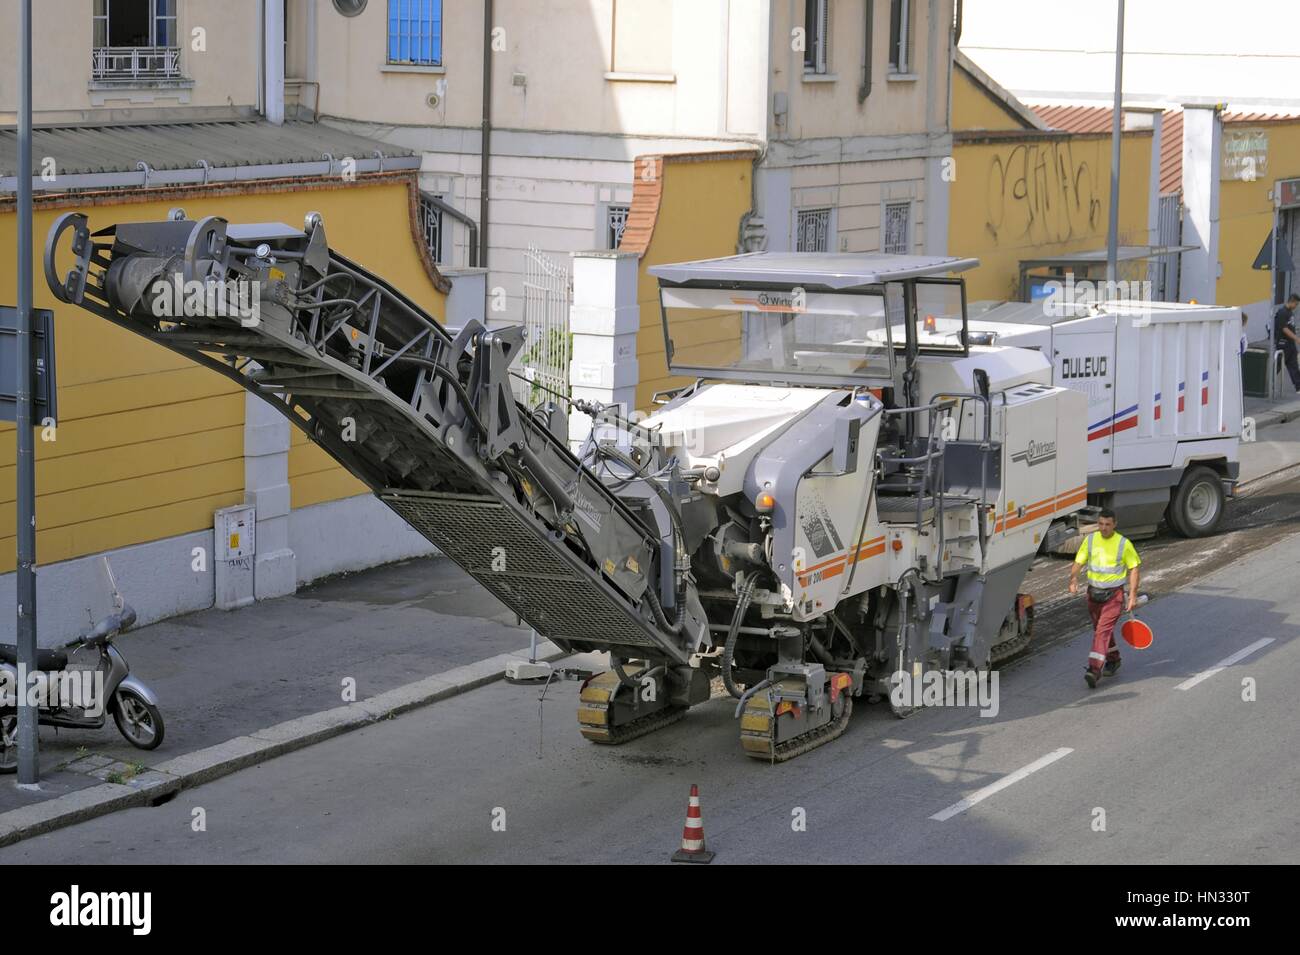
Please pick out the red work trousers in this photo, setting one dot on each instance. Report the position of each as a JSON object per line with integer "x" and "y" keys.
{"x": 1104, "y": 617}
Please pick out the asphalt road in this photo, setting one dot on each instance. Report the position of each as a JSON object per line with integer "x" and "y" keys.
{"x": 1169, "y": 756}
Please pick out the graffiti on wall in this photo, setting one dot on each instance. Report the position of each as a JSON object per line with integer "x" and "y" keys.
{"x": 1039, "y": 192}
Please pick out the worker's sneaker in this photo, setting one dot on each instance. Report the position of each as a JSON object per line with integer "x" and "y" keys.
{"x": 1092, "y": 677}
{"x": 1111, "y": 668}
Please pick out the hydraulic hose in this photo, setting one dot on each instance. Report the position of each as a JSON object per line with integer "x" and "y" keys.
{"x": 740, "y": 706}
{"x": 729, "y": 648}
{"x": 660, "y": 617}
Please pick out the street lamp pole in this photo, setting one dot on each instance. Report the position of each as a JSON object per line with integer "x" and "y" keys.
{"x": 28, "y": 765}
{"x": 1112, "y": 232}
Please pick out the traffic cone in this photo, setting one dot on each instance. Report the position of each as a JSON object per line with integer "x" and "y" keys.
{"x": 692, "y": 849}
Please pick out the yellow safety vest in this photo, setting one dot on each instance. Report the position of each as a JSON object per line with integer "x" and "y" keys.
{"x": 1106, "y": 570}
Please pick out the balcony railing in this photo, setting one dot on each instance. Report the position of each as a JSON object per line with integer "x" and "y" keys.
{"x": 135, "y": 62}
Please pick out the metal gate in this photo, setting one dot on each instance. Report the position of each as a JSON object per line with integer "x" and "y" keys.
{"x": 1164, "y": 268}
{"x": 548, "y": 293}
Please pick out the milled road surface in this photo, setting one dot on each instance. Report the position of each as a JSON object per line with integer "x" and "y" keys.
{"x": 1171, "y": 761}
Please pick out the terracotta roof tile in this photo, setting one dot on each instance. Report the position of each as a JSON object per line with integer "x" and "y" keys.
{"x": 1260, "y": 117}
{"x": 1076, "y": 119}
{"x": 1171, "y": 151}
{"x": 1097, "y": 119}
{"x": 648, "y": 189}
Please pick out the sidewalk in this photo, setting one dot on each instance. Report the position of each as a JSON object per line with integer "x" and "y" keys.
{"x": 422, "y": 628}
{"x": 1267, "y": 412}
{"x": 1277, "y": 438}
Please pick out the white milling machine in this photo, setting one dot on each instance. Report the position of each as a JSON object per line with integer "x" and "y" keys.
{"x": 847, "y": 492}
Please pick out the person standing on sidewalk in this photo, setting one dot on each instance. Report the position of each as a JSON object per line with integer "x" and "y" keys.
{"x": 1109, "y": 559}
{"x": 1284, "y": 334}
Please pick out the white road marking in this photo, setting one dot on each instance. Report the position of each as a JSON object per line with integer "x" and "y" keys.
{"x": 1224, "y": 663}
{"x": 981, "y": 794}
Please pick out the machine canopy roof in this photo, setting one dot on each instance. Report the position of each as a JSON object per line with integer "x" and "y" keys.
{"x": 842, "y": 270}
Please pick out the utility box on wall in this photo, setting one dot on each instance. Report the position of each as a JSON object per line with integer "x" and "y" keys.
{"x": 234, "y": 538}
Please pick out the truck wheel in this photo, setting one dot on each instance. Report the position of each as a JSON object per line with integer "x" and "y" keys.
{"x": 1197, "y": 505}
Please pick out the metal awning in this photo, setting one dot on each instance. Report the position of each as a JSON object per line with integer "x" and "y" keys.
{"x": 1125, "y": 253}
{"x": 843, "y": 270}
{"x": 176, "y": 154}
{"x": 1265, "y": 261}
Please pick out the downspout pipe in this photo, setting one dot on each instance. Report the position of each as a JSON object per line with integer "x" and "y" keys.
{"x": 448, "y": 209}
{"x": 261, "y": 57}
{"x": 485, "y": 147}
{"x": 864, "y": 87}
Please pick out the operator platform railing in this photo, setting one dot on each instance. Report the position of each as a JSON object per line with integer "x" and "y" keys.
{"x": 932, "y": 482}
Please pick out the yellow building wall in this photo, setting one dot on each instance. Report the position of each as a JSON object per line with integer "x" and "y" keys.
{"x": 1033, "y": 196}
{"x": 149, "y": 444}
{"x": 699, "y": 218}
{"x": 973, "y": 108}
{"x": 1246, "y": 217}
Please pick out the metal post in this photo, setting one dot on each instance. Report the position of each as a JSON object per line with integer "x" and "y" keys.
{"x": 28, "y": 765}
{"x": 1270, "y": 379}
{"x": 485, "y": 145}
{"x": 1112, "y": 232}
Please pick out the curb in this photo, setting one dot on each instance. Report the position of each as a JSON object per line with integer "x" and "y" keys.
{"x": 164, "y": 781}
{"x": 1276, "y": 416}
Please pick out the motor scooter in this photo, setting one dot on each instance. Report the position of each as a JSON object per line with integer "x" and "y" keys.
{"x": 78, "y": 686}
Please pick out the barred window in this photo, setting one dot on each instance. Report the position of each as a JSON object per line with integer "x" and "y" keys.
{"x": 615, "y": 223}
{"x": 431, "y": 227}
{"x": 811, "y": 230}
{"x": 415, "y": 32}
{"x": 896, "y": 228}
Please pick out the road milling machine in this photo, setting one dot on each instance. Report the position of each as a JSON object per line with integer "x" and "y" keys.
{"x": 846, "y": 494}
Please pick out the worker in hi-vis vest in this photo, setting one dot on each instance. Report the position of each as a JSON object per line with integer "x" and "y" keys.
{"x": 1109, "y": 559}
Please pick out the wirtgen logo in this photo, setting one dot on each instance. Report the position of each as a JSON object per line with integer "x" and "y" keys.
{"x": 77, "y": 908}
{"x": 1036, "y": 453}
{"x": 946, "y": 688}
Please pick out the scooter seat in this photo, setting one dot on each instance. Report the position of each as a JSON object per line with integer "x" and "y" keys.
{"x": 45, "y": 659}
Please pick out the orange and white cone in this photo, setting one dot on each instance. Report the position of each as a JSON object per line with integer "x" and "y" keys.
{"x": 692, "y": 849}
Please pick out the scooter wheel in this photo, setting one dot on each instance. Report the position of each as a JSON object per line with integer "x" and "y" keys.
{"x": 138, "y": 720}
{"x": 8, "y": 743}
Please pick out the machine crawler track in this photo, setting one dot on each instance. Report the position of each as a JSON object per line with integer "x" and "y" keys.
{"x": 758, "y": 730}
{"x": 596, "y": 704}
{"x": 1004, "y": 651}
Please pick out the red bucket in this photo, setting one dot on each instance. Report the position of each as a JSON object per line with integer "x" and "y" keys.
{"x": 1136, "y": 633}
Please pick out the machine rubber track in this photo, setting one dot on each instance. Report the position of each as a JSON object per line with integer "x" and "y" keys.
{"x": 596, "y": 703}
{"x": 1004, "y": 651}
{"x": 758, "y": 730}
